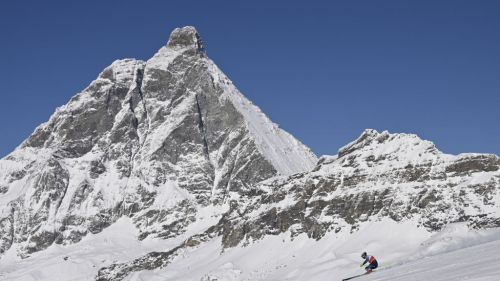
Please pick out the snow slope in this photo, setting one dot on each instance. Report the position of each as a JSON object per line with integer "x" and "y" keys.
{"x": 477, "y": 262}
{"x": 456, "y": 253}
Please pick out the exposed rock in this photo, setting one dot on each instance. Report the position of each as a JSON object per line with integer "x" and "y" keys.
{"x": 152, "y": 140}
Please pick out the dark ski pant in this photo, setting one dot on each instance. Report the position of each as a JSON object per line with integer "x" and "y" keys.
{"x": 372, "y": 266}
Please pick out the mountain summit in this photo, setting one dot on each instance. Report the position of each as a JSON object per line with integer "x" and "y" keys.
{"x": 185, "y": 37}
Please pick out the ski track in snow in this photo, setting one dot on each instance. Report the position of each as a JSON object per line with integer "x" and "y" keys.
{"x": 471, "y": 263}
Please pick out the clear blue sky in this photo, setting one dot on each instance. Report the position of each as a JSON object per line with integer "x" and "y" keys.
{"x": 323, "y": 70}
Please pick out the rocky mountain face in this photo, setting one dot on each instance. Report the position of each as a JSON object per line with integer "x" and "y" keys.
{"x": 377, "y": 176}
{"x": 153, "y": 140}
{"x": 173, "y": 145}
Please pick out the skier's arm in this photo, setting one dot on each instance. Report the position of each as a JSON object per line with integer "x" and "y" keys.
{"x": 366, "y": 260}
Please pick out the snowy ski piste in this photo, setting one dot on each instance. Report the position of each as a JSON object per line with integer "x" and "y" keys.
{"x": 454, "y": 254}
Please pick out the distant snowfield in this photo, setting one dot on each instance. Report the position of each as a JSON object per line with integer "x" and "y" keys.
{"x": 404, "y": 252}
{"x": 472, "y": 263}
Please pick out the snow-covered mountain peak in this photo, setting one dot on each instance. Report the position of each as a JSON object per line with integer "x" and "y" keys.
{"x": 155, "y": 140}
{"x": 377, "y": 153}
{"x": 365, "y": 139}
{"x": 185, "y": 37}
{"x": 372, "y": 144}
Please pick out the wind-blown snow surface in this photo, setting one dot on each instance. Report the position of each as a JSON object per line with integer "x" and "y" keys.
{"x": 404, "y": 254}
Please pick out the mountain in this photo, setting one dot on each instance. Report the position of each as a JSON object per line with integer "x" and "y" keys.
{"x": 163, "y": 170}
{"x": 153, "y": 140}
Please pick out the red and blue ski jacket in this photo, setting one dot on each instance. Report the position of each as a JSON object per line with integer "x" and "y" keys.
{"x": 370, "y": 260}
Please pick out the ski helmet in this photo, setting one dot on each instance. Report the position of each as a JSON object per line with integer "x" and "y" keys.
{"x": 363, "y": 255}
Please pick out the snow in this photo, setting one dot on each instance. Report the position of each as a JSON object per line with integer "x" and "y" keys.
{"x": 163, "y": 58}
{"x": 22, "y": 158}
{"x": 390, "y": 151}
{"x": 405, "y": 252}
{"x": 118, "y": 242}
{"x": 179, "y": 112}
{"x": 124, "y": 69}
{"x": 81, "y": 261}
{"x": 463, "y": 255}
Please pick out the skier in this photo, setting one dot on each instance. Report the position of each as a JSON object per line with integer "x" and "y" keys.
{"x": 372, "y": 262}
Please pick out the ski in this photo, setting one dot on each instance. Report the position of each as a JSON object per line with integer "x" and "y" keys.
{"x": 355, "y": 276}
